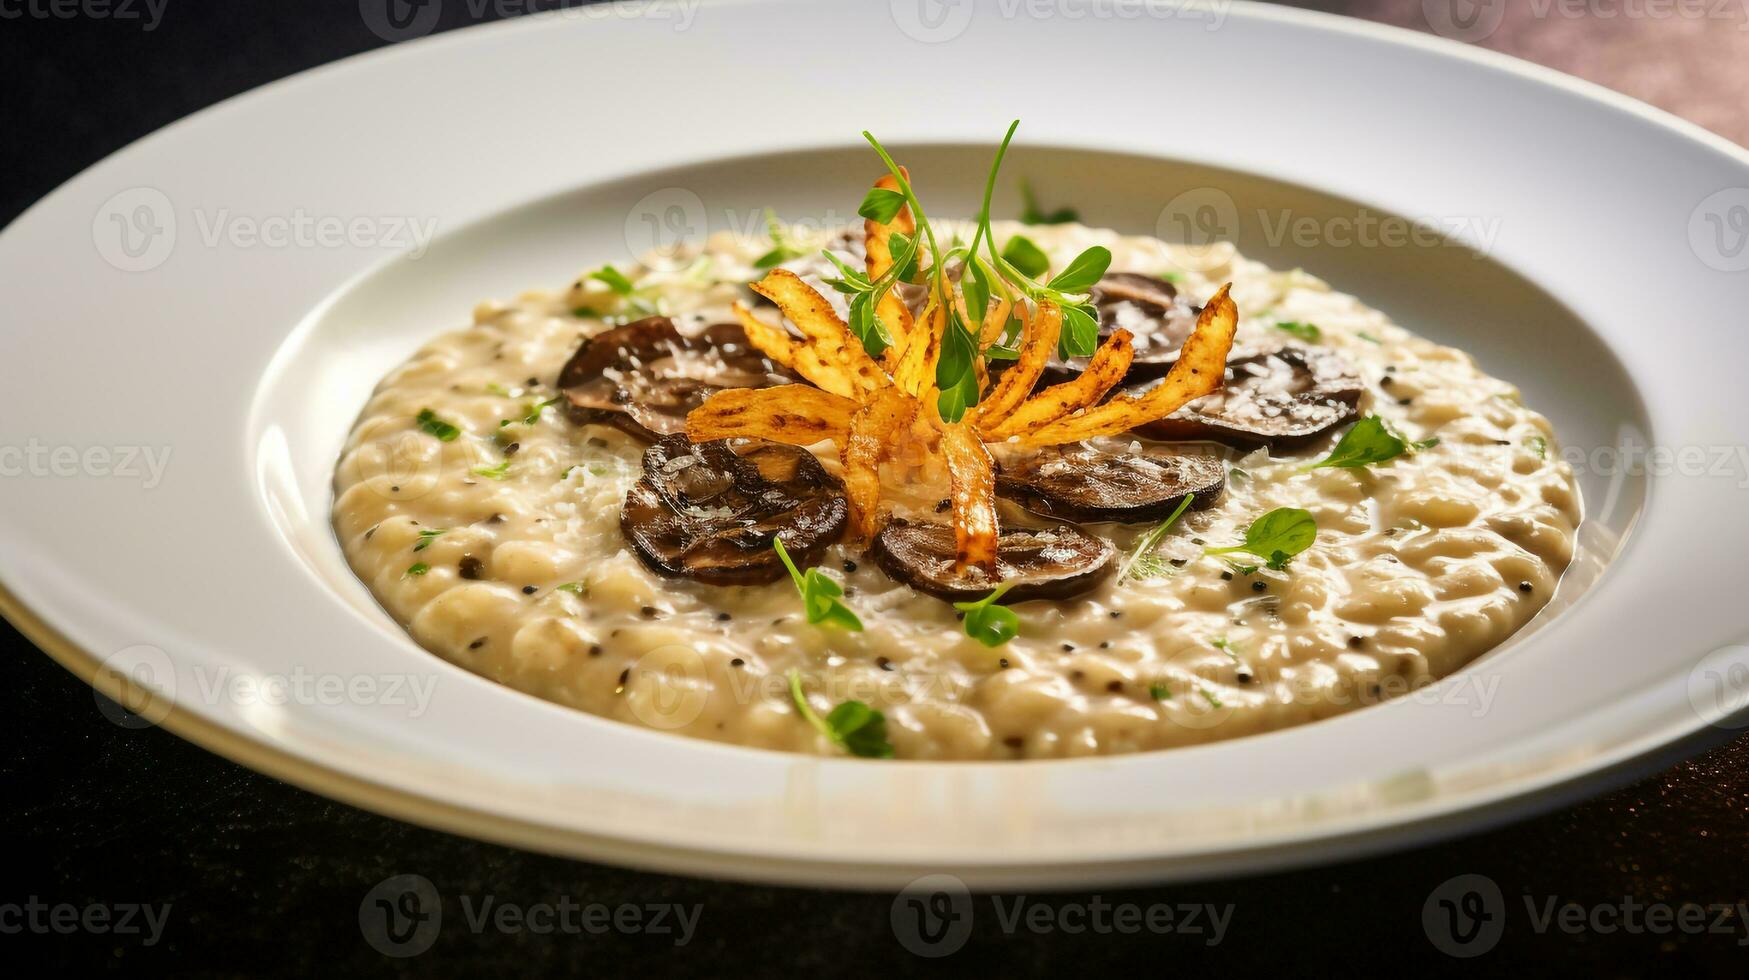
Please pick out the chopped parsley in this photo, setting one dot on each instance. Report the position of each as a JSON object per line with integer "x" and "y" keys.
{"x": 1307, "y": 332}
{"x": 428, "y": 536}
{"x": 575, "y": 588}
{"x": 418, "y": 568}
{"x": 498, "y": 472}
{"x": 1369, "y": 338}
{"x": 1159, "y": 692}
{"x": 531, "y": 415}
{"x": 1538, "y": 445}
{"x": 435, "y": 426}
{"x": 614, "y": 279}
{"x": 853, "y": 726}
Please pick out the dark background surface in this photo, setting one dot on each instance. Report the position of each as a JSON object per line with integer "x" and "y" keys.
{"x": 265, "y": 878}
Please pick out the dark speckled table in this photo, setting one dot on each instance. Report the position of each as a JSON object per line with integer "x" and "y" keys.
{"x": 260, "y": 877}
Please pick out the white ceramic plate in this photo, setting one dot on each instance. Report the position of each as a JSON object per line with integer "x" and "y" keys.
{"x": 143, "y": 315}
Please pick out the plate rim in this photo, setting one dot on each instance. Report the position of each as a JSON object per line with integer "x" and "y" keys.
{"x": 261, "y": 755}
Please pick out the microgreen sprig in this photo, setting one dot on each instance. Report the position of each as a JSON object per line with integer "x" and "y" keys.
{"x": 853, "y": 726}
{"x": 1068, "y": 289}
{"x": 1277, "y": 537}
{"x": 1371, "y": 440}
{"x": 820, "y": 595}
{"x": 1141, "y": 556}
{"x": 988, "y": 623}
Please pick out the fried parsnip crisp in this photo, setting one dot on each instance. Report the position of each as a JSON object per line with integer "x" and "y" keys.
{"x": 973, "y": 482}
{"x": 1201, "y": 366}
{"x": 1104, "y": 370}
{"x": 798, "y": 415}
{"x": 821, "y": 328}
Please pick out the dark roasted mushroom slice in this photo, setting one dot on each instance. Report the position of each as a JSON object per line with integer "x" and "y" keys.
{"x": 1080, "y": 483}
{"x": 644, "y": 377}
{"x": 709, "y": 510}
{"x": 1053, "y": 563}
{"x": 1284, "y": 400}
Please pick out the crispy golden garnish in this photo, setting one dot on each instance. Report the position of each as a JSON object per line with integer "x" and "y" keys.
{"x": 889, "y": 409}
{"x": 1200, "y": 370}
{"x": 777, "y": 344}
{"x": 994, "y": 320}
{"x": 800, "y": 415}
{"x": 915, "y": 374}
{"x": 1039, "y": 332}
{"x": 819, "y": 324}
{"x": 972, "y": 477}
{"x": 877, "y": 242}
{"x": 1104, "y": 370}
{"x": 874, "y": 432}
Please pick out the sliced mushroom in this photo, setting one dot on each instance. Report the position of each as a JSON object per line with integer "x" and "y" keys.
{"x": 709, "y": 510}
{"x": 644, "y": 377}
{"x": 1052, "y": 563}
{"x": 1283, "y": 400}
{"x": 1080, "y": 483}
{"x": 1159, "y": 318}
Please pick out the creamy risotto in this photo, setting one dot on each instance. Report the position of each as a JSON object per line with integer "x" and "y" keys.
{"x": 484, "y": 510}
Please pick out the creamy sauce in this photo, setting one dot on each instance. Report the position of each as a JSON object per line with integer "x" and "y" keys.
{"x": 1420, "y": 565}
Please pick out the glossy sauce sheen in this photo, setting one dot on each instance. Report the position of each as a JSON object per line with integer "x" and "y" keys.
{"x": 1420, "y": 565}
